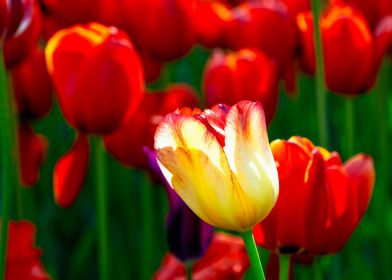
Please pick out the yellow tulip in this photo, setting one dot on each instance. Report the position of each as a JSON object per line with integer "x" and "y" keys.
{"x": 220, "y": 163}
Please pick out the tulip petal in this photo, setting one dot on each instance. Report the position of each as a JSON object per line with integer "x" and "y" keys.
{"x": 70, "y": 171}
{"x": 194, "y": 164}
{"x": 250, "y": 158}
{"x": 360, "y": 169}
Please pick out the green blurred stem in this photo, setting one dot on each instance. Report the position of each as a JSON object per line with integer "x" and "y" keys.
{"x": 320, "y": 83}
{"x": 253, "y": 254}
{"x": 188, "y": 267}
{"x": 350, "y": 126}
{"x": 147, "y": 227}
{"x": 284, "y": 267}
{"x": 8, "y": 161}
{"x": 102, "y": 209}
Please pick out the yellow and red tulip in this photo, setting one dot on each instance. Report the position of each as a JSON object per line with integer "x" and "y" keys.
{"x": 219, "y": 162}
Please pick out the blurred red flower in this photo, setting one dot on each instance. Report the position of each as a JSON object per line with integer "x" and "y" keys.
{"x": 352, "y": 53}
{"x": 126, "y": 144}
{"x": 22, "y": 31}
{"x": 245, "y": 74}
{"x": 373, "y": 10}
{"x": 32, "y": 87}
{"x": 265, "y": 25}
{"x": 320, "y": 202}
{"x": 23, "y": 259}
{"x": 97, "y": 75}
{"x": 226, "y": 258}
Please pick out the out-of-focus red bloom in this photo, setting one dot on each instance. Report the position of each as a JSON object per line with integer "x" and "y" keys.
{"x": 4, "y": 17}
{"x": 97, "y": 75}
{"x": 70, "y": 171}
{"x": 245, "y": 74}
{"x": 162, "y": 29}
{"x": 352, "y": 55}
{"x": 23, "y": 259}
{"x": 265, "y": 25}
{"x": 225, "y": 259}
{"x": 321, "y": 200}
{"x": 32, "y": 150}
{"x": 373, "y": 10}
{"x": 210, "y": 21}
{"x": 294, "y": 7}
{"x": 32, "y": 87}
{"x": 126, "y": 144}
{"x": 22, "y": 32}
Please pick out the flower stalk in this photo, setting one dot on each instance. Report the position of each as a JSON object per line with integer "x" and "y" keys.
{"x": 257, "y": 269}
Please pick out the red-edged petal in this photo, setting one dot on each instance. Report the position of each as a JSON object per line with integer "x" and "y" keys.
{"x": 32, "y": 150}
{"x": 70, "y": 171}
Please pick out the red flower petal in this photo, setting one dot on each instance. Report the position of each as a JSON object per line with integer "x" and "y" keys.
{"x": 70, "y": 171}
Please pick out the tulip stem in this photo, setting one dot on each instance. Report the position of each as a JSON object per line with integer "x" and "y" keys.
{"x": 147, "y": 227}
{"x": 188, "y": 267}
{"x": 8, "y": 160}
{"x": 284, "y": 267}
{"x": 320, "y": 83}
{"x": 350, "y": 126}
{"x": 253, "y": 254}
{"x": 102, "y": 208}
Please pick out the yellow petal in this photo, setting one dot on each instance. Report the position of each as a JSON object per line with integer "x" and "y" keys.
{"x": 194, "y": 163}
{"x": 251, "y": 161}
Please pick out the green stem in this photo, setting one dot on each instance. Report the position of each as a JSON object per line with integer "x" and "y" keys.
{"x": 147, "y": 227}
{"x": 102, "y": 208}
{"x": 188, "y": 267}
{"x": 284, "y": 267}
{"x": 8, "y": 160}
{"x": 253, "y": 254}
{"x": 350, "y": 126}
{"x": 320, "y": 83}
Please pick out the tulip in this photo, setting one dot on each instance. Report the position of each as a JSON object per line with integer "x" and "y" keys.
{"x": 225, "y": 259}
{"x": 373, "y": 11}
{"x": 245, "y": 74}
{"x": 32, "y": 150}
{"x": 161, "y": 29}
{"x": 210, "y": 20}
{"x": 125, "y": 145}
{"x": 97, "y": 75}
{"x": 321, "y": 200}
{"x": 23, "y": 259}
{"x": 32, "y": 87}
{"x": 355, "y": 58}
{"x": 220, "y": 164}
{"x": 22, "y": 32}
{"x": 265, "y": 25}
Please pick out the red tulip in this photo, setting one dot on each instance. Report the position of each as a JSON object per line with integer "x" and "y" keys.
{"x": 226, "y": 258}
{"x": 294, "y": 7}
{"x": 23, "y": 259}
{"x": 70, "y": 171}
{"x": 349, "y": 49}
{"x": 210, "y": 21}
{"x": 374, "y": 10}
{"x": 32, "y": 86}
{"x": 23, "y": 31}
{"x": 97, "y": 75}
{"x": 126, "y": 145}
{"x": 321, "y": 200}
{"x": 245, "y": 74}
{"x": 265, "y": 25}
{"x": 32, "y": 150}
{"x": 162, "y": 29}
